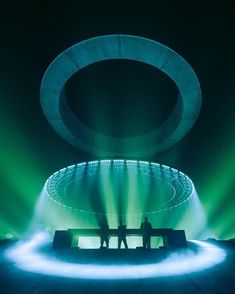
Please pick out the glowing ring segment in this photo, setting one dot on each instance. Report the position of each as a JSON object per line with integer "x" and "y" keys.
{"x": 28, "y": 257}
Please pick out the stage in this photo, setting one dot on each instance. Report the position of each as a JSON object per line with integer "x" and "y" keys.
{"x": 217, "y": 279}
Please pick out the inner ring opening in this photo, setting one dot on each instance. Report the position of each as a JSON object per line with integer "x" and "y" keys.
{"x": 121, "y": 98}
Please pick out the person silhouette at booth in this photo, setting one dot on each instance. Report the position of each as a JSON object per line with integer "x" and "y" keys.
{"x": 122, "y": 235}
{"x": 146, "y": 229}
{"x": 104, "y": 234}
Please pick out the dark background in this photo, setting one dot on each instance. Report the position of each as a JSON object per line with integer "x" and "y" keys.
{"x": 117, "y": 98}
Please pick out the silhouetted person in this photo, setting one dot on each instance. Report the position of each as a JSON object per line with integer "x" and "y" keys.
{"x": 146, "y": 229}
{"x": 104, "y": 234}
{"x": 122, "y": 235}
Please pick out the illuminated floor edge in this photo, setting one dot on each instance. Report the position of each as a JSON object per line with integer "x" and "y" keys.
{"x": 27, "y": 256}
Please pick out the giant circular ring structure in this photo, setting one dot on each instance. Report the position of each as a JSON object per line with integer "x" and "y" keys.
{"x": 179, "y": 187}
{"x": 108, "y": 47}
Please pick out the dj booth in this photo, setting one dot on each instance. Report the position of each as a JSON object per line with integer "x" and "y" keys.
{"x": 66, "y": 239}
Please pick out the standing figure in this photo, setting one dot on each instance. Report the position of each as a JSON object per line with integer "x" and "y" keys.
{"x": 104, "y": 234}
{"x": 146, "y": 229}
{"x": 122, "y": 235}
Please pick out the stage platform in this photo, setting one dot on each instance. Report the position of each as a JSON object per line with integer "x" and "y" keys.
{"x": 218, "y": 279}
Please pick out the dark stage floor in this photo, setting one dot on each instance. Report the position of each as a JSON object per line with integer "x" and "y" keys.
{"x": 217, "y": 279}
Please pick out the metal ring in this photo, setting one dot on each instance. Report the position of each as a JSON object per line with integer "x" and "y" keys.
{"x": 68, "y": 126}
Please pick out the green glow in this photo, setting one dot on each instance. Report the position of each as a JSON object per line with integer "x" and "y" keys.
{"x": 21, "y": 176}
{"x": 81, "y": 195}
{"x": 133, "y": 189}
{"x": 107, "y": 190}
{"x": 218, "y": 193}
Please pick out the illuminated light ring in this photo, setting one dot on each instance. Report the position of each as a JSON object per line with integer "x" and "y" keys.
{"x": 68, "y": 182}
{"x": 171, "y": 199}
{"x": 73, "y": 59}
{"x": 182, "y": 185}
{"x": 64, "y": 179}
{"x": 58, "y": 181}
{"x": 164, "y": 203}
{"x": 28, "y": 257}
